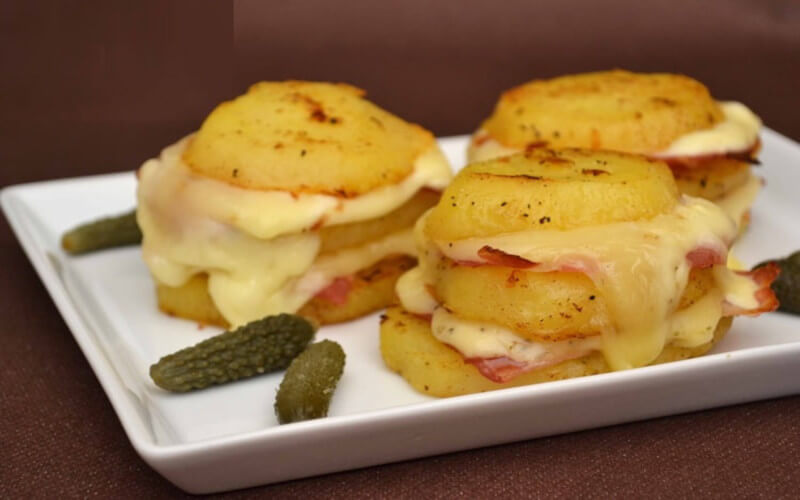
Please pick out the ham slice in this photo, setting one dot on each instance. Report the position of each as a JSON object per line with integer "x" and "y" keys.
{"x": 337, "y": 291}
{"x": 498, "y": 257}
{"x": 504, "y": 369}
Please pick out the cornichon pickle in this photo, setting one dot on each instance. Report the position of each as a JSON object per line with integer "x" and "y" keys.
{"x": 262, "y": 346}
{"x": 787, "y": 284}
{"x": 103, "y": 233}
{"x": 308, "y": 385}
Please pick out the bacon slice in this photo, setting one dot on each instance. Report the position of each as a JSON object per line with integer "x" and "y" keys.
{"x": 337, "y": 291}
{"x": 499, "y": 370}
{"x": 503, "y": 369}
{"x": 767, "y": 301}
{"x": 500, "y": 258}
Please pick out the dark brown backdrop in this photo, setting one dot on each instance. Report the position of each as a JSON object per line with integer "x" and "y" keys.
{"x": 99, "y": 86}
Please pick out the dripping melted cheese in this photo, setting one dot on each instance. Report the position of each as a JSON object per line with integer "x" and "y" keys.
{"x": 737, "y": 132}
{"x": 258, "y": 247}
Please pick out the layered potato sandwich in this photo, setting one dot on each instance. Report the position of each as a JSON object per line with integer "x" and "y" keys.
{"x": 553, "y": 264}
{"x": 296, "y": 196}
{"x": 709, "y": 145}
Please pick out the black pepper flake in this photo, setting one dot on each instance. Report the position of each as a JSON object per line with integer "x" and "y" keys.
{"x": 235, "y": 172}
{"x": 544, "y": 220}
{"x": 302, "y": 152}
{"x": 504, "y": 204}
{"x": 703, "y": 182}
{"x": 524, "y": 215}
{"x": 591, "y": 297}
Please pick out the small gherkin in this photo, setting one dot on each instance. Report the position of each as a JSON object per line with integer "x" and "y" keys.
{"x": 104, "y": 233}
{"x": 262, "y": 346}
{"x": 307, "y": 388}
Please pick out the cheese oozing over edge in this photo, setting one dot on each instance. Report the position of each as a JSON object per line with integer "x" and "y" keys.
{"x": 256, "y": 246}
{"x": 640, "y": 268}
{"x": 737, "y": 132}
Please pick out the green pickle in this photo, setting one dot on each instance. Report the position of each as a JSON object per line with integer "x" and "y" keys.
{"x": 103, "y": 233}
{"x": 307, "y": 388}
{"x": 787, "y": 284}
{"x": 262, "y": 346}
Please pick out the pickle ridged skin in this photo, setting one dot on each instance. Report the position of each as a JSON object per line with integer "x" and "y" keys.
{"x": 262, "y": 346}
{"x": 787, "y": 285}
{"x": 307, "y": 388}
{"x": 103, "y": 233}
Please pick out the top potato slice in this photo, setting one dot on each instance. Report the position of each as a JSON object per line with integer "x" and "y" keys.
{"x": 306, "y": 137}
{"x": 551, "y": 189}
{"x": 619, "y": 110}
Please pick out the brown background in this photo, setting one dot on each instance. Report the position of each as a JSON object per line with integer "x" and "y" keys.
{"x": 99, "y": 86}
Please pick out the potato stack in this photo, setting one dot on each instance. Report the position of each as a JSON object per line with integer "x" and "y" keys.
{"x": 554, "y": 264}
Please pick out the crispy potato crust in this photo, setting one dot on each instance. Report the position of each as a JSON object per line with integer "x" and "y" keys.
{"x": 551, "y": 189}
{"x": 306, "y": 137}
{"x": 372, "y": 289}
{"x": 616, "y": 110}
{"x": 432, "y": 368}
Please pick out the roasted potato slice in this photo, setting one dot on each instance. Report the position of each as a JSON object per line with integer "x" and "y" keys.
{"x": 334, "y": 238}
{"x": 551, "y": 189}
{"x": 715, "y": 178}
{"x": 432, "y": 368}
{"x": 616, "y": 110}
{"x": 537, "y": 306}
{"x": 306, "y": 137}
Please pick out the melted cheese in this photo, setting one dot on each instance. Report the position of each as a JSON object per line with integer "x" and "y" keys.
{"x": 737, "y": 132}
{"x": 413, "y": 293}
{"x": 485, "y": 340}
{"x": 256, "y": 245}
{"x": 738, "y": 201}
{"x": 640, "y": 268}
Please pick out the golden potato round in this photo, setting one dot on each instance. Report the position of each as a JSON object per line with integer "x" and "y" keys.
{"x": 334, "y": 238}
{"x": 713, "y": 179}
{"x": 306, "y": 137}
{"x": 190, "y": 301}
{"x": 551, "y": 189}
{"x": 432, "y": 368}
{"x": 537, "y": 306}
{"x": 616, "y": 110}
{"x": 372, "y": 288}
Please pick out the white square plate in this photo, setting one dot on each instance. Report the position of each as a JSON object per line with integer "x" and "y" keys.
{"x": 228, "y": 437}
